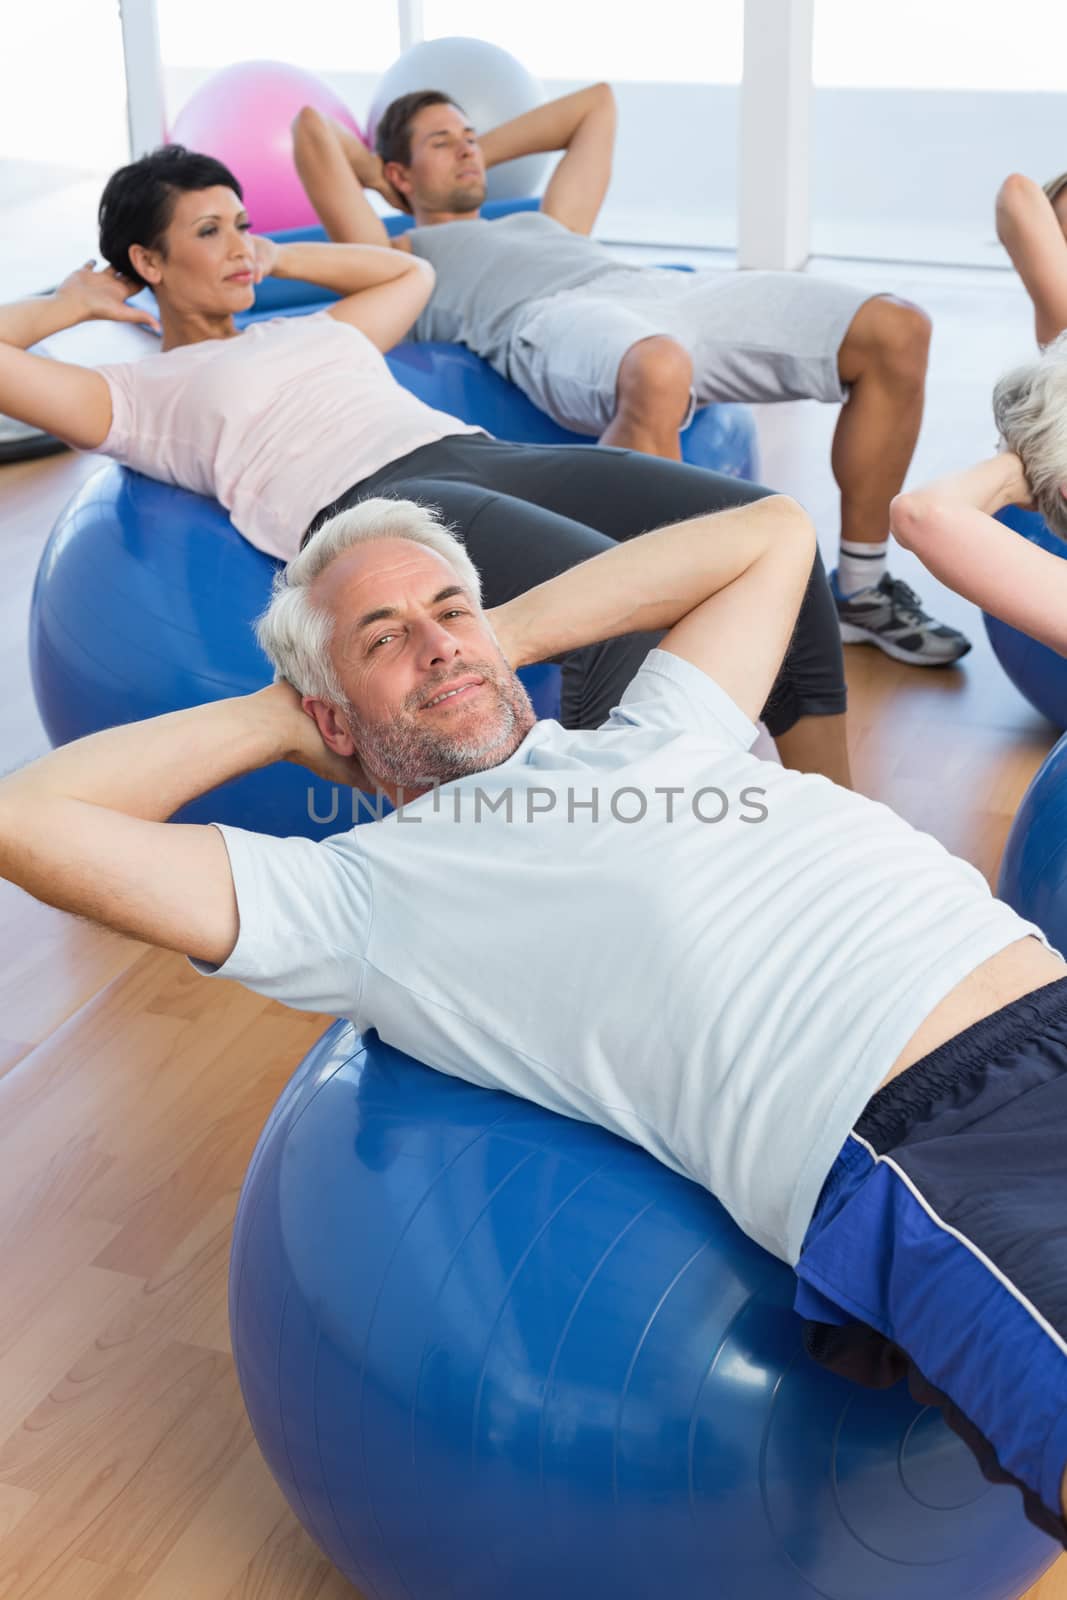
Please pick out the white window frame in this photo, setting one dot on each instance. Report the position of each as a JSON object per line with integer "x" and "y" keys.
{"x": 774, "y": 179}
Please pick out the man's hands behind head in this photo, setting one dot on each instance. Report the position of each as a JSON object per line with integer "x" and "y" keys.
{"x": 301, "y": 742}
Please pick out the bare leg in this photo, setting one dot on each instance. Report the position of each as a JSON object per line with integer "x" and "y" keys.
{"x": 817, "y": 744}
{"x": 883, "y": 360}
{"x": 1031, "y": 231}
{"x": 652, "y": 398}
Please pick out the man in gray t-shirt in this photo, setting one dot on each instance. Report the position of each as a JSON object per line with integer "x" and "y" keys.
{"x": 623, "y": 352}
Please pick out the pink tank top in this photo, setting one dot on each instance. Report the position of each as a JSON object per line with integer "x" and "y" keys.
{"x": 275, "y": 423}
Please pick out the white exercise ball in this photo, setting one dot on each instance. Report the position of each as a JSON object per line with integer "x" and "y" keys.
{"x": 488, "y": 83}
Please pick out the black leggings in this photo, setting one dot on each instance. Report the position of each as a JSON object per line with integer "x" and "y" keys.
{"x": 526, "y": 512}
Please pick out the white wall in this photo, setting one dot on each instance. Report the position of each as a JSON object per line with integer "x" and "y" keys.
{"x": 62, "y": 84}
{"x": 911, "y": 174}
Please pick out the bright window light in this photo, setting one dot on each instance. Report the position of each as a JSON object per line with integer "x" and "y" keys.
{"x": 676, "y": 41}
{"x": 947, "y": 44}
{"x": 319, "y": 35}
{"x": 63, "y": 85}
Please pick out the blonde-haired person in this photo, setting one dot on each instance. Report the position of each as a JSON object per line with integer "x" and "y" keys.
{"x": 951, "y": 524}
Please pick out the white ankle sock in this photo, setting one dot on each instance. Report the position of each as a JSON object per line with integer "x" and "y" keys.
{"x": 860, "y": 566}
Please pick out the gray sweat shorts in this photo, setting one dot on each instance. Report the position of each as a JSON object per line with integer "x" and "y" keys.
{"x": 755, "y": 336}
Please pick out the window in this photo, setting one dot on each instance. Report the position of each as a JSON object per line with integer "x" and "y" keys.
{"x": 953, "y": 44}
{"x": 920, "y": 111}
{"x": 691, "y": 42}
{"x": 677, "y": 87}
{"x": 63, "y": 86}
{"x": 346, "y": 44}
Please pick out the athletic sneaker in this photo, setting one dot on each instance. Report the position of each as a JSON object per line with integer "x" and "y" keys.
{"x": 889, "y": 615}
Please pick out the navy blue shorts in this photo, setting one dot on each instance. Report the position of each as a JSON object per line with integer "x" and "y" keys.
{"x": 938, "y": 1248}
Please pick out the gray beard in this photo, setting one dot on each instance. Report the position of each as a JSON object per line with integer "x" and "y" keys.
{"x": 407, "y": 756}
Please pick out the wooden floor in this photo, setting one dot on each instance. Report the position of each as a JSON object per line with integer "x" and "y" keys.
{"x": 131, "y": 1093}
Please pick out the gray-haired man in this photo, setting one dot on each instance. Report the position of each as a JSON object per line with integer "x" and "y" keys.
{"x": 643, "y": 926}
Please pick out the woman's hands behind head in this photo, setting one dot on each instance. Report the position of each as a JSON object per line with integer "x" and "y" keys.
{"x": 102, "y": 295}
{"x": 266, "y": 254}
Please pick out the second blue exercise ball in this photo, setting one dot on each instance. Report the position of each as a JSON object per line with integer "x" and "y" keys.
{"x": 493, "y": 1353}
{"x": 144, "y": 602}
{"x": 1040, "y": 674}
{"x": 1033, "y": 870}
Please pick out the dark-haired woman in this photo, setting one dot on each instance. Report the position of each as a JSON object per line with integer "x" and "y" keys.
{"x": 300, "y": 415}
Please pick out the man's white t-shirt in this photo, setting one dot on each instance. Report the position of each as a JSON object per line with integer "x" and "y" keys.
{"x": 643, "y": 926}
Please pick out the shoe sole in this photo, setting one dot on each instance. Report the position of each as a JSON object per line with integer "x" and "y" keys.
{"x": 850, "y": 634}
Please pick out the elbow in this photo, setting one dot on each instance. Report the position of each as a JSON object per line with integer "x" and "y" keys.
{"x": 419, "y": 281}
{"x": 307, "y": 125}
{"x": 782, "y": 532}
{"x": 424, "y": 271}
{"x": 791, "y": 516}
{"x": 1016, "y": 187}
{"x": 1015, "y": 195}
{"x": 913, "y": 521}
{"x": 604, "y": 107}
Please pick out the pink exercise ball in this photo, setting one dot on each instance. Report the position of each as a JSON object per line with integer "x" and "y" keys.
{"x": 242, "y": 117}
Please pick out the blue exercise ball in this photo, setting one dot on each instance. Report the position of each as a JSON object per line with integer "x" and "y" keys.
{"x": 489, "y": 1351}
{"x": 490, "y": 85}
{"x": 1033, "y": 869}
{"x": 1039, "y": 674}
{"x": 721, "y": 437}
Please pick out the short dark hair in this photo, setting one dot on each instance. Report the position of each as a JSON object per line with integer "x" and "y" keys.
{"x": 138, "y": 201}
{"x": 392, "y": 137}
